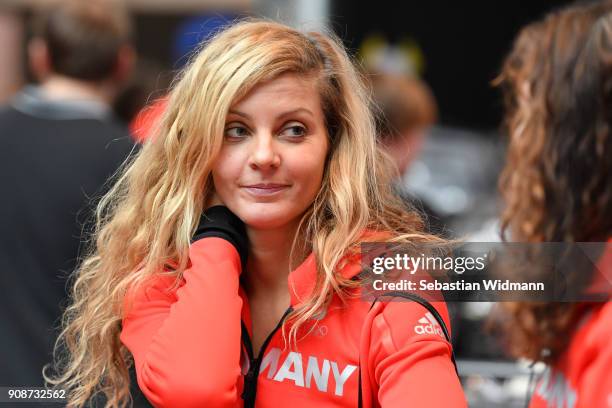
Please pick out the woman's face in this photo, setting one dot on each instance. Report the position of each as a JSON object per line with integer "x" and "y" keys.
{"x": 271, "y": 164}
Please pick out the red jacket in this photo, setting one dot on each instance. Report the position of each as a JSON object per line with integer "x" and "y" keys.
{"x": 582, "y": 378}
{"x": 191, "y": 349}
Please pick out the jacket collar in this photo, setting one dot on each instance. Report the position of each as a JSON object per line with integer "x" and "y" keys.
{"x": 302, "y": 280}
{"x": 32, "y": 101}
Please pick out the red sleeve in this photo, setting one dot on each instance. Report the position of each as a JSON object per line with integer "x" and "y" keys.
{"x": 594, "y": 351}
{"x": 410, "y": 359}
{"x": 186, "y": 342}
{"x": 595, "y": 388}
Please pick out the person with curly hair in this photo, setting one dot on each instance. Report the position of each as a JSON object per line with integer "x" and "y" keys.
{"x": 557, "y": 185}
{"x": 226, "y": 261}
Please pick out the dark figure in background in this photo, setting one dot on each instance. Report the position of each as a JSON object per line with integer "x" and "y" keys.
{"x": 59, "y": 142}
{"x": 405, "y": 110}
{"x": 557, "y": 185}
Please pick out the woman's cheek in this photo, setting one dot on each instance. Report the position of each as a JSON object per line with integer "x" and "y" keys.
{"x": 227, "y": 170}
{"x": 223, "y": 188}
{"x": 312, "y": 170}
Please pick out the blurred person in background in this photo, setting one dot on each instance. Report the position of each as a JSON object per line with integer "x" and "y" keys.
{"x": 405, "y": 109}
{"x": 11, "y": 34}
{"x": 557, "y": 184}
{"x": 59, "y": 142}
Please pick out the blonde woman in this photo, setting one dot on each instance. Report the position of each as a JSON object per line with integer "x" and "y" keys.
{"x": 268, "y": 134}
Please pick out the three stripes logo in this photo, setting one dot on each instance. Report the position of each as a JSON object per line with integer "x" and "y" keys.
{"x": 428, "y": 325}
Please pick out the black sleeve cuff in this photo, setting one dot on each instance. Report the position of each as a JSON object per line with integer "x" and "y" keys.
{"x": 220, "y": 222}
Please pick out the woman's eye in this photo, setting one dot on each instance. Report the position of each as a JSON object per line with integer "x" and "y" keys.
{"x": 294, "y": 131}
{"x": 236, "y": 132}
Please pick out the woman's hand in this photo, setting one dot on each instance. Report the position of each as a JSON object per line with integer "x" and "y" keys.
{"x": 218, "y": 221}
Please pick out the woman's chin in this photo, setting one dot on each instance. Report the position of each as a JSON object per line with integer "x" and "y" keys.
{"x": 263, "y": 223}
{"x": 265, "y": 219}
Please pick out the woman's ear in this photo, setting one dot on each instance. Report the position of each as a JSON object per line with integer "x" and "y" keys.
{"x": 126, "y": 60}
{"x": 38, "y": 59}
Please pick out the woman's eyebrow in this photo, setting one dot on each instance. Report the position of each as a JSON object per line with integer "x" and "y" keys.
{"x": 280, "y": 116}
{"x": 235, "y": 112}
{"x": 294, "y": 111}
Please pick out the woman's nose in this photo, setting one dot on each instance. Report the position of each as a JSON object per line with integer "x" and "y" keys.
{"x": 264, "y": 152}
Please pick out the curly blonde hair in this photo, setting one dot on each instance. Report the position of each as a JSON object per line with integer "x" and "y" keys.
{"x": 145, "y": 222}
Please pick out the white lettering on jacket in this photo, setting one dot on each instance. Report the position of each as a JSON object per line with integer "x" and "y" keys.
{"x": 556, "y": 389}
{"x": 292, "y": 369}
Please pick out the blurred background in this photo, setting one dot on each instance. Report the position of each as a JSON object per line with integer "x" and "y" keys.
{"x": 454, "y": 49}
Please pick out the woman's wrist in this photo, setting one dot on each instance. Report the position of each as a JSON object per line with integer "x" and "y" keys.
{"x": 218, "y": 221}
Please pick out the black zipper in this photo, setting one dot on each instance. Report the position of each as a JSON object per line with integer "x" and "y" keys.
{"x": 250, "y": 379}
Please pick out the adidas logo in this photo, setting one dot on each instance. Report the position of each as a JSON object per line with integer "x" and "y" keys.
{"x": 428, "y": 325}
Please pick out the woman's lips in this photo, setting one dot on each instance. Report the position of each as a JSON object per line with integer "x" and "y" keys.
{"x": 263, "y": 190}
